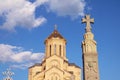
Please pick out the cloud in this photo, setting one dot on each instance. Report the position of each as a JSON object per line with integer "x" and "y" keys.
{"x": 21, "y": 66}
{"x": 18, "y": 57}
{"x": 20, "y": 13}
{"x": 72, "y": 8}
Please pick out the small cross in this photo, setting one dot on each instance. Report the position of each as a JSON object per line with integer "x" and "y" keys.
{"x": 87, "y": 20}
{"x": 8, "y": 74}
{"x": 55, "y": 26}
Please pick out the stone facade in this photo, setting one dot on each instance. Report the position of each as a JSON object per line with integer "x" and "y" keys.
{"x": 55, "y": 65}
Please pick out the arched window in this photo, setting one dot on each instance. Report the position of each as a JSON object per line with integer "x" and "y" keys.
{"x": 50, "y": 50}
{"x": 54, "y": 76}
{"x": 55, "y": 49}
{"x": 60, "y": 50}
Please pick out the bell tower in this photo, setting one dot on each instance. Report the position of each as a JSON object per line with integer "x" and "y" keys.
{"x": 89, "y": 52}
{"x": 55, "y": 45}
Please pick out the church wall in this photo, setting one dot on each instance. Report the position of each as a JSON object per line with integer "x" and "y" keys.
{"x": 55, "y": 65}
{"x": 76, "y": 72}
{"x": 33, "y": 71}
{"x": 52, "y": 73}
{"x": 54, "y": 61}
{"x": 65, "y": 66}
{"x": 55, "y": 42}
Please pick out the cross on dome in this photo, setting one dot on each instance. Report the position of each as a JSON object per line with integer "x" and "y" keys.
{"x": 55, "y": 27}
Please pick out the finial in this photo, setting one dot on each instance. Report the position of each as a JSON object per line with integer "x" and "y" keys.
{"x": 55, "y": 26}
{"x": 87, "y": 20}
{"x": 8, "y": 74}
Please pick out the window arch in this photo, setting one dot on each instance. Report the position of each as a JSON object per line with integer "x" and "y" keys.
{"x": 55, "y": 49}
{"x": 54, "y": 76}
{"x": 60, "y": 50}
{"x": 50, "y": 50}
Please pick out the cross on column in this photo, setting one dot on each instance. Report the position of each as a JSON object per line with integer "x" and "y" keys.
{"x": 87, "y": 20}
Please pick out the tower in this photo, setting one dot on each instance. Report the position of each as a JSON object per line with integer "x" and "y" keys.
{"x": 55, "y": 45}
{"x": 55, "y": 65}
{"x": 89, "y": 52}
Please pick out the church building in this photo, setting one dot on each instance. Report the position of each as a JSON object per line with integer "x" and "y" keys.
{"x": 55, "y": 65}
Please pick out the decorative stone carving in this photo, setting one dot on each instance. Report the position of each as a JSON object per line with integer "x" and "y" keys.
{"x": 55, "y": 63}
{"x": 91, "y": 70}
{"x": 54, "y": 76}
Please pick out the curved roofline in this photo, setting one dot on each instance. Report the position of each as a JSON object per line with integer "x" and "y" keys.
{"x": 55, "y": 34}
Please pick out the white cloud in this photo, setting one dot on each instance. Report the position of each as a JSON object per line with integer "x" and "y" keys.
{"x": 21, "y": 66}
{"x": 20, "y": 13}
{"x": 17, "y": 57}
{"x": 40, "y": 2}
{"x": 39, "y": 21}
{"x": 72, "y": 8}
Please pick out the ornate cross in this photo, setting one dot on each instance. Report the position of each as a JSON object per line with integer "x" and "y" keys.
{"x": 8, "y": 74}
{"x": 87, "y": 20}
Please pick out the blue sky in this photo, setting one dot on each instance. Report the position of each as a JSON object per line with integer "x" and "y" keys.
{"x": 24, "y": 25}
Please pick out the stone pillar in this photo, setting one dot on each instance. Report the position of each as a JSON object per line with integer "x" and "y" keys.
{"x": 89, "y": 52}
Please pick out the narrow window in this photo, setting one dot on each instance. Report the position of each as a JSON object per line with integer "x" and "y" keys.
{"x": 60, "y": 49}
{"x": 55, "y": 49}
{"x": 50, "y": 50}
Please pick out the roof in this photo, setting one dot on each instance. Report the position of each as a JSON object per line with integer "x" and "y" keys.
{"x": 73, "y": 64}
{"x": 37, "y": 64}
{"x": 55, "y": 34}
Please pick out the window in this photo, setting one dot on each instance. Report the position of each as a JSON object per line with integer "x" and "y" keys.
{"x": 50, "y": 50}
{"x": 60, "y": 50}
{"x": 54, "y": 76}
{"x": 55, "y": 49}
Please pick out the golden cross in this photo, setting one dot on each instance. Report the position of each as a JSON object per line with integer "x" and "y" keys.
{"x": 87, "y": 20}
